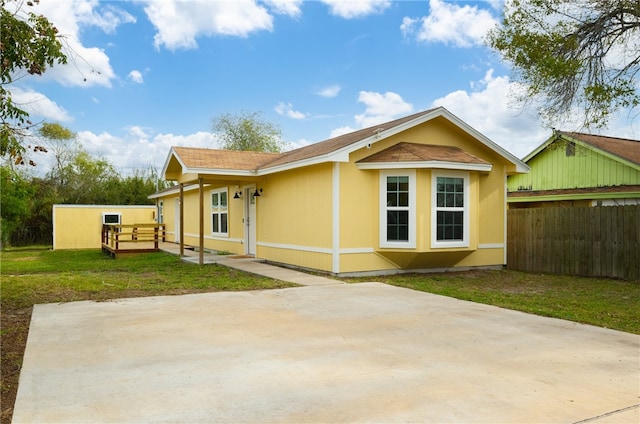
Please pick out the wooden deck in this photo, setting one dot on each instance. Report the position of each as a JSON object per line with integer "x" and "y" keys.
{"x": 118, "y": 239}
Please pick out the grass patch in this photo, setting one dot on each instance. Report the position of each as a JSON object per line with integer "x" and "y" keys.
{"x": 606, "y": 303}
{"x": 38, "y": 275}
{"x": 31, "y": 277}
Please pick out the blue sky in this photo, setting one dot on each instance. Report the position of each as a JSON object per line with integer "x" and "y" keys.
{"x": 147, "y": 75}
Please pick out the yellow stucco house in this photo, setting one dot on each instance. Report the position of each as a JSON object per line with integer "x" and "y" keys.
{"x": 420, "y": 192}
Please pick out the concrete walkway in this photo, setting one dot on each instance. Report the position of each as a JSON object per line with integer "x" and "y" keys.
{"x": 336, "y": 353}
{"x": 253, "y": 266}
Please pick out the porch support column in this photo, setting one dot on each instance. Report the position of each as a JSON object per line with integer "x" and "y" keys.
{"x": 181, "y": 229}
{"x": 201, "y": 245}
{"x": 335, "y": 218}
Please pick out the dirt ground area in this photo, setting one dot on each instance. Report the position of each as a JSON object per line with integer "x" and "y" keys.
{"x": 15, "y": 328}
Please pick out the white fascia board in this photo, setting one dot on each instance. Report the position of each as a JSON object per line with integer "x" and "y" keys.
{"x": 342, "y": 155}
{"x": 172, "y": 153}
{"x": 432, "y": 164}
{"x": 214, "y": 171}
{"x": 520, "y": 165}
{"x": 69, "y": 206}
{"x": 336, "y": 156}
{"x": 538, "y": 149}
{"x": 175, "y": 190}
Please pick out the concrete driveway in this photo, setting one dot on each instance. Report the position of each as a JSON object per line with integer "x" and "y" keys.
{"x": 334, "y": 353}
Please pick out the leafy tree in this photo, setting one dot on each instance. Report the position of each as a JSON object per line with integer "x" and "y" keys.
{"x": 85, "y": 179}
{"x": 31, "y": 44}
{"x": 248, "y": 131}
{"x": 132, "y": 190}
{"x": 574, "y": 53}
{"x": 59, "y": 141}
{"x": 15, "y": 202}
{"x": 37, "y": 227}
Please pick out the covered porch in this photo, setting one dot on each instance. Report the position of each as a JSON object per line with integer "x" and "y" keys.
{"x": 234, "y": 178}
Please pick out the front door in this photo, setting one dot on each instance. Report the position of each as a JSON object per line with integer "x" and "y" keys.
{"x": 249, "y": 221}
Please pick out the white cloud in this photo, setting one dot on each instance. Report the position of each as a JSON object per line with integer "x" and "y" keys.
{"x": 490, "y": 109}
{"x": 138, "y": 132}
{"x": 381, "y": 108}
{"x": 286, "y": 109}
{"x": 107, "y": 19}
{"x": 349, "y": 9}
{"x": 302, "y": 142}
{"x": 331, "y": 91}
{"x": 460, "y": 26}
{"x": 341, "y": 131}
{"x": 138, "y": 149}
{"x": 136, "y": 76}
{"x": 179, "y": 23}
{"x": 38, "y": 105}
{"x": 285, "y": 7}
{"x": 87, "y": 66}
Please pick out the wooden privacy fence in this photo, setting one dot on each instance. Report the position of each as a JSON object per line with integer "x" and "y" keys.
{"x": 591, "y": 241}
{"x": 132, "y": 238}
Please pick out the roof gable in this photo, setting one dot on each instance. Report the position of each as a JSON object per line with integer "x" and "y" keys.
{"x": 621, "y": 149}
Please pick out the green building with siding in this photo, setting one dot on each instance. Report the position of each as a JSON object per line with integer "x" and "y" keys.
{"x": 574, "y": 169}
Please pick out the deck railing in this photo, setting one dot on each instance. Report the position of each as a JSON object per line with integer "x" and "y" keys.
{"x": 132, "y": 238}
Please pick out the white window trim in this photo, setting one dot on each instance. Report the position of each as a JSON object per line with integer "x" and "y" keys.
{"x": 411, "y": 243}
{"x": 435, "y": 243}
{"x": 211, "y": 193}
{"x": 118, "y": 214}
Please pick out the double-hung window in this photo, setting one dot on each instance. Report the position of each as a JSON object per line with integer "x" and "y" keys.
{"x": 219, "y": 212}
{"x": 397, "y": 209}
{"x": 450, "y": 210}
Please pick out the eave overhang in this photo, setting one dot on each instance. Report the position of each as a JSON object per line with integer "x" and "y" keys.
{"x": 426, "y": 165}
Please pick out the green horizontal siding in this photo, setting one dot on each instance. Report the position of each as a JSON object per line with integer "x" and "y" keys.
{"x": 553, "y": 169}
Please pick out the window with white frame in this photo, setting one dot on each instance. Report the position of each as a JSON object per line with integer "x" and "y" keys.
{"x": 219, "y": 212}
{"x": 450, "y": 209}
{"x": 397, "y": 209}
{"x": 160, "y": 212}
{"x": 111, "y": 218}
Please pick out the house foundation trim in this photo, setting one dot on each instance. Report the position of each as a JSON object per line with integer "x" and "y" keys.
{"x": 324, "y": 250}
{"x": 226, "y": 239}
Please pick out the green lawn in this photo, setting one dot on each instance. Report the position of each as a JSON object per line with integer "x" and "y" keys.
{"x": 606, "y": 303}
{"x": 40, "y": 276}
